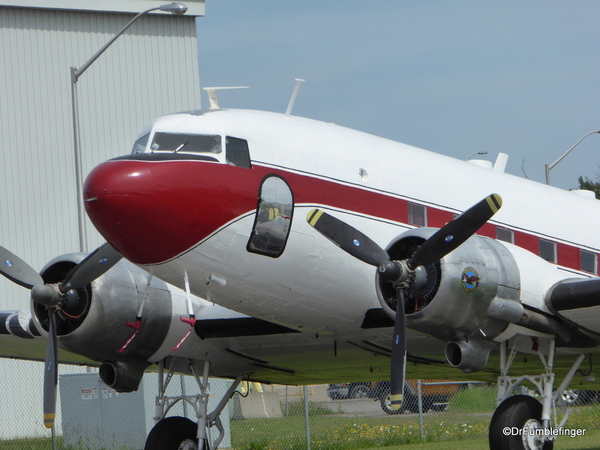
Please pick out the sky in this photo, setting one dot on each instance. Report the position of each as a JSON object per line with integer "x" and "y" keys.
{"x": 454, "y": 77}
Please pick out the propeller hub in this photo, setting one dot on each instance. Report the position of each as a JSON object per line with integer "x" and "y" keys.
{"x": 390, "y": 271}
{"x": 46, "y": 294}
{"x": 396, "y": 272}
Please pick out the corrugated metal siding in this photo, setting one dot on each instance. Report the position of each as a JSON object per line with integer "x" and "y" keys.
{"x": 195, "y": 7}
{"x": 150, "y": 71}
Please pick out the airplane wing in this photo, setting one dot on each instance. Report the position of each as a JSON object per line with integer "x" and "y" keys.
{"x": 577, "y": 302}
{"x": 19, "y": 339}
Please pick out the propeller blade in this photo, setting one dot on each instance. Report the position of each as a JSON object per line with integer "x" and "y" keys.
{"x": 456, "y": 232}
{"x": 347, "y": 238}
{"x": 17, "y": 270}
{"x": 51, "y": 372}
{"x": 398, "y": 366}
{"x": 93, "y": 266}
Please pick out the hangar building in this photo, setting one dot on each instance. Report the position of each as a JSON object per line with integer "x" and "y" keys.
{"x": 149, "y": 71}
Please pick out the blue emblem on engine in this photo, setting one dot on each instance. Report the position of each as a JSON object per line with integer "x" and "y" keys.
{"x": 470, "y": 279}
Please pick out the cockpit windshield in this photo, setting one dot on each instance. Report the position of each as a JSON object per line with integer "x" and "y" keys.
{"x": 180, "y": 143}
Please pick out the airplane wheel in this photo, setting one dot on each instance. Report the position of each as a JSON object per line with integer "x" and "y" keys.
{"x": 173, "y": 433}
{"x": 519, "y": 412}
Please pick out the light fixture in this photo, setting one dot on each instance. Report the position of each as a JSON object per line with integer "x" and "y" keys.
{"x": 179, "y": 9}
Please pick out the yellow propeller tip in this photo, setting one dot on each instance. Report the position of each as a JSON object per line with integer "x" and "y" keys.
{"x": 495, "y": 202}
{"x": 396, "y": 401}
{"x": 313, "y": 216}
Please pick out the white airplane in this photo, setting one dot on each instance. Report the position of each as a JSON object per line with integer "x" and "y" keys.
{"x": 304, "y": 237}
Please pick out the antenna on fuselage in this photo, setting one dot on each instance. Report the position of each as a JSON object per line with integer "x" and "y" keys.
{"x": 212, "y": 94}
{"x": 299, "y": 82}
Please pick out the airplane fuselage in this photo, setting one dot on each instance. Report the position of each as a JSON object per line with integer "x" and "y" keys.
{"x": 239, "y": 227}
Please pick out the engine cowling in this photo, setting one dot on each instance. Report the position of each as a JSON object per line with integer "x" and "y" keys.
{"x": 93, "y": 321}
{"x": 469, "y": 280}
{"x": 467, "y": 298}
{"x": 471, "y": 296}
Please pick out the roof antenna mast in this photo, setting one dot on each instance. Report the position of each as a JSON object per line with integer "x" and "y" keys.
{"x": 299, "y": 82}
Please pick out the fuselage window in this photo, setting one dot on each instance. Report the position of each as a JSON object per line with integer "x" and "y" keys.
{"x": 589, "y": 262}
{"x": 140, "y": 145}
{"x": 503, "y": 234}
{"x": 185, "y": 143}
{"x": 237, "y": 153}
{"x": 417, "y": 215}
{"x": 548, "y": 250}
{"x": 273, "y": 218}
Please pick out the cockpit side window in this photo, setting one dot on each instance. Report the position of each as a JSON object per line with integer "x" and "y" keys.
{"x": 185, "y": 143}
{"x": 140, "y": 145}
{"x": 237, "y": 153}
{"x": 273, "y": 218}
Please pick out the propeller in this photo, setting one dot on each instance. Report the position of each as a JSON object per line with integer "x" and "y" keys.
{"x": 402, "y": 273}
{"x": 398, "y": 365}
{"x": 54, "y": 297}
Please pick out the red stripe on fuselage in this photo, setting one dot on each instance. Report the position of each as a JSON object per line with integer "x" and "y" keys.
{"x": 153, "y": 211}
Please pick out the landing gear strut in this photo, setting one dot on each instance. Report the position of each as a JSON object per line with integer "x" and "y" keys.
{"x": 521, "y": 422}
{"x": 180, "y": 433}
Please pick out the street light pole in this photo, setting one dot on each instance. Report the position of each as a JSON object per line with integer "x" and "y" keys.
{"x": 551, "y": 166}
{"x": 174, "y": 8}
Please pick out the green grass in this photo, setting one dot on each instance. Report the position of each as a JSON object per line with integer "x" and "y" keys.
{"x": 28, "y": 444}
{"x": 455, "y": 429}
{"x": 41, "y": 444}
{"x": 588, "y": 442}
{"x": 591, "y": 441}
{"x": 334, "y": 432}
{"x": 474, "y": 400}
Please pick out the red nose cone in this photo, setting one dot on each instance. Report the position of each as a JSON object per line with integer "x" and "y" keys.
{"x": 153, "y": 211}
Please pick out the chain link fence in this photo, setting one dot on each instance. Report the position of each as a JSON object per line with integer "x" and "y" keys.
{"x": 91, "y": 416}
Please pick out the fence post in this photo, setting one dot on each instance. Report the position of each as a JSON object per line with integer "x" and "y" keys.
{"x": 53, "y": 439}
{"x": 420, "y": 400}
{"x": 306, "y": 419}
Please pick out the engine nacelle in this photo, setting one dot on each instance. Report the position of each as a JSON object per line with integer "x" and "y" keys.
{"x": 93, "y": 321}
{"x": 472, "y": 291}
{"x": 471, "y": 296}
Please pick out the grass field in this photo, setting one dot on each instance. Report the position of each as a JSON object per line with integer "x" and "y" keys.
{"x": 591, "y": 441}
{"x": 340, "y": 433}
{"x": 464, "y": 426}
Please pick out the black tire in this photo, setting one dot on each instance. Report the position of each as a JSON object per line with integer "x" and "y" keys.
{"x": 359, "y": 391}
{"x": 515, "y": 411}
{"x": 386, "y": 401}
{"x": 172, "y": 433}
